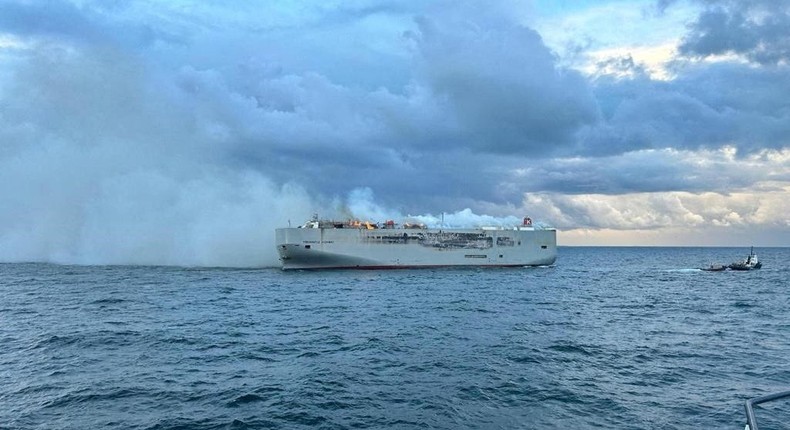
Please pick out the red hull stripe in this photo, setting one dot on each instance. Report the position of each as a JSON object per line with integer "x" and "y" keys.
{"x": 458, "y": 266}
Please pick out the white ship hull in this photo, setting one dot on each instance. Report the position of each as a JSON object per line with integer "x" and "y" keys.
{"x": 354, "y": 248}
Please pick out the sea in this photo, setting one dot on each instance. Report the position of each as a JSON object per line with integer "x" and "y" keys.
{"x": 607, "y": 337}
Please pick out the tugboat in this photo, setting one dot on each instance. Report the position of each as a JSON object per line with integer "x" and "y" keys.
{"x": 749, "y": 263}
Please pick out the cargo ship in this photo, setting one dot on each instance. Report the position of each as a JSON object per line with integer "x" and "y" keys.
{"x": 355, "y": 244}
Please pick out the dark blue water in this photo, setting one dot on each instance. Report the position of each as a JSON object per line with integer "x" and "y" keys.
{"x": 608, "y": 337}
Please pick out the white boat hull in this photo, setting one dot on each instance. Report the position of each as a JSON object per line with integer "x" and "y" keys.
{"x": 352, "y": 248}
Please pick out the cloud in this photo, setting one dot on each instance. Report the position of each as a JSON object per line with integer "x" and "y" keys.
{"x": 183, "y": 133}
{"x": 756, "y": 30}
{"x": 503, "y": 87}
{"x": 759, "y": 215}
{"x": 705, "y": 106}
{"x": 47, "y": 18}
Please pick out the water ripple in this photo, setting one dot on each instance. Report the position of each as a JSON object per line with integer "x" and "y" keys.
{"x": 648, "y": 344}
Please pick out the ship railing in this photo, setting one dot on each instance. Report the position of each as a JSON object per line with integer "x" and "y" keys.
{"x": 751, "y": 420}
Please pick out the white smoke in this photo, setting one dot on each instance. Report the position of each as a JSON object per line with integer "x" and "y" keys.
{"x": 151, "y": 217}
{"x": 107, "y": 165}
{"x": 466, "y": 219}
{"x": 361, "y": 205}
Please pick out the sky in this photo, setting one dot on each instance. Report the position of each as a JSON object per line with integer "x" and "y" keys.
{"x": 183, "y": 132}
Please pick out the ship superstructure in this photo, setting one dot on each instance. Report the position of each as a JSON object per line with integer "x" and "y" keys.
{"x": 354, "y": 244}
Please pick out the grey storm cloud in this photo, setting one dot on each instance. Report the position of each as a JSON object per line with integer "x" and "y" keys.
{"x": 757, "y": 30}
{"x": 48, "y": 18}
{"x": 647, "y": 171}
{"x": 705, "y": 106}
{"x": 91, "y": 23}
{"x": 475, "y": 90}
{"x": 503, "y": 87}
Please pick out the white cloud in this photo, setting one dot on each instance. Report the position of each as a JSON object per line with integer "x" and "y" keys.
{"x": 664, "y": 218}
{"x": 652, "y": 60}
